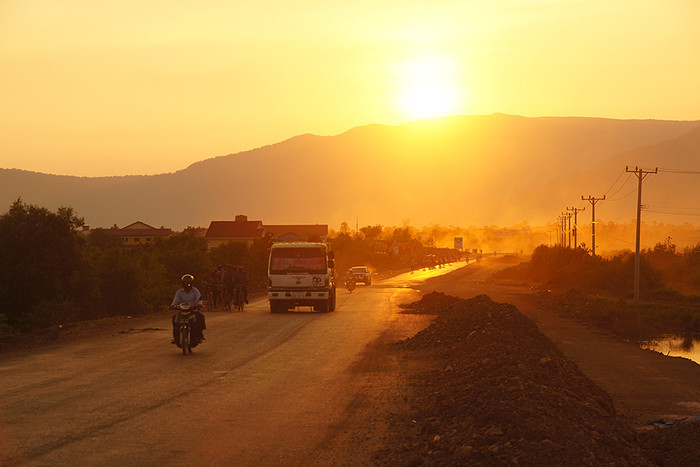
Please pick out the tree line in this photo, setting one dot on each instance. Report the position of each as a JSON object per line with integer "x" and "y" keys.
{"x": 664, "y": 273}
{"x": 51, "y": 272}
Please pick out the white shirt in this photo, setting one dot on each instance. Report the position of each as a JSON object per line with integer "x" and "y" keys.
{"x": 193, "y": 297}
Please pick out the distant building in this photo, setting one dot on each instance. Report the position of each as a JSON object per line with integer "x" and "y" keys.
{"x": 239, "y": 230}
{"x": 243, "y": 230}
{"x": 298, "y": 233}
{"x": 140, "y": 233}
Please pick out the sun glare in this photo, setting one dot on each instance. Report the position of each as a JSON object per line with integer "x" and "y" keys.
{"x": 428, "y": 88}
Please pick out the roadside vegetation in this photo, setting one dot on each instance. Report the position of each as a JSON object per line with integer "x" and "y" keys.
{"x": 600, "y": 290}
{"x": 52, "y": 273}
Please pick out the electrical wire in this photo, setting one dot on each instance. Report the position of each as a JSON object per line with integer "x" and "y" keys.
{"x": 614, "y": 238}
{"x": 659, "y": 211}
{"x": 681, "y": 208}
{"x": 680, "y": 171}
{"x": 623, "y": 197}
{"x": 615, "y": 183}
{"x": 621, "y": 186}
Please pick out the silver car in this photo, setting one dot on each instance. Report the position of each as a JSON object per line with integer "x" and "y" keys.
{"x": 361, "y": 274}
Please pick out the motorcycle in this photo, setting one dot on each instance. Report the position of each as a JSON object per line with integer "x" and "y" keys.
{"x": 186, "y": 319}
{"x": 350, "y": 284}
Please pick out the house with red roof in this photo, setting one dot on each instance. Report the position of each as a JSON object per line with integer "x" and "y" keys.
{"x": 240, "y": 230}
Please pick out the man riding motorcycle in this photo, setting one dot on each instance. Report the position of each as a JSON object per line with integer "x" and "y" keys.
{"x": 189, "y": 294}
{"x": 350, "y": 280}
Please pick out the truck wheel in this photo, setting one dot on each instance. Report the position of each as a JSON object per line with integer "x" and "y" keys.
{"x": 323, "y": 307}
{"x": 277, "y": 306}
{"x": 331, "y": 307}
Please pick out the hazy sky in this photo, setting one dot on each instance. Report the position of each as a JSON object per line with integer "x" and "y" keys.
{"x": 149, "y": 86}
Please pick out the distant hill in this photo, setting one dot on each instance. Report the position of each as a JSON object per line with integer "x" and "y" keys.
{"x": 468, "y": 170}
{"x": 672, "y": 191}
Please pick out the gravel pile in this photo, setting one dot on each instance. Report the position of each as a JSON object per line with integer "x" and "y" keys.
{"x": 499, "y": 392}
{"x": 431, "y": 303}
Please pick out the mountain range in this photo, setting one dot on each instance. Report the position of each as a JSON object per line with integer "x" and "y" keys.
{"x": 464, "y": 171}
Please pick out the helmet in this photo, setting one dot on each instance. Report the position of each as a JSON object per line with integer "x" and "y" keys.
{"x": 187, "y": 279}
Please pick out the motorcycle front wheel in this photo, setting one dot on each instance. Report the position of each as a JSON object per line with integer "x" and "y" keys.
{"x": 185, "y": 341}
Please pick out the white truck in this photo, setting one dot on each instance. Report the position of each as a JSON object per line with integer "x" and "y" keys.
{"x": 301, "y": 274}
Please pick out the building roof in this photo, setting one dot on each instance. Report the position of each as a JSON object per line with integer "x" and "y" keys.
{"x": 319, "y": 230}
{"x": 142, "y": 229}
{"x": 235, "y": 229}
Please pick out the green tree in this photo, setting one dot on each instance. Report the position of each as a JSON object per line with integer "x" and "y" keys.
{"x": 39, "y": 253}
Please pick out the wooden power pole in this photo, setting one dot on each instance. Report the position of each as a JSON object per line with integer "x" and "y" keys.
{"x": 641, "y": 175}
{"x": 593, "y": 202}
{"x": 576, "y": 211}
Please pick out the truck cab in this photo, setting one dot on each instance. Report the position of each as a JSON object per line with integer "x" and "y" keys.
{"x": 301, "y": 274}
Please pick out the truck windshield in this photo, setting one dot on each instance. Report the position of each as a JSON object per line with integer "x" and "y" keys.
{"x": 295, "y": 260}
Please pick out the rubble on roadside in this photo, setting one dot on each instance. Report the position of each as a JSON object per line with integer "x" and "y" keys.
{"x": 498, "y": 392}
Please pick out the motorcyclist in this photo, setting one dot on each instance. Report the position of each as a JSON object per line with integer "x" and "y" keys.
{"x": 189, "y": 294}
{"x": 349, "y": 277}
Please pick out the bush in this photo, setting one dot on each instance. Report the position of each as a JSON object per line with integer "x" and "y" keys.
{"x": 562, "y": 268}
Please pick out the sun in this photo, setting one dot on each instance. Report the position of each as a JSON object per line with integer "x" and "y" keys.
{"x": 428, "y": 88}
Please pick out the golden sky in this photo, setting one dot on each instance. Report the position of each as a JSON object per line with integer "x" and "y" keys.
{"x": 149, "y": 86}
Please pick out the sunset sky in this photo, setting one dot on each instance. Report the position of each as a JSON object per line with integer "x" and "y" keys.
{"x": 96, "y": 88}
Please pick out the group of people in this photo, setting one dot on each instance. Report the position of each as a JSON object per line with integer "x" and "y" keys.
{"x": 218, "y": 281}
{"x": 224, "y": 281}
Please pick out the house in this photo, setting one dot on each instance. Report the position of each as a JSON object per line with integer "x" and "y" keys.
{"x": 298, "y": 233}
{"x": 240, "y": 229}
{"x": 140, "y": 233}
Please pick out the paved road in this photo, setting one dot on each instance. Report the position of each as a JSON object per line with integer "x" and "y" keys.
{"x": 264, "y": 389}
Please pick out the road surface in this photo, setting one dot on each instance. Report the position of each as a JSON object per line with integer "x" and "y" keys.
{"x": 264, "y": 389}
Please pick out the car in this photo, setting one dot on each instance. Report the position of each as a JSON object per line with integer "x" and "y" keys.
{"x": 361, "y": 274}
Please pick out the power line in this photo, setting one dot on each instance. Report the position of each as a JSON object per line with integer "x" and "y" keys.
{"x": 615, "y": 183}
{"x": 615, "y": 238}
{"x": 673, "y": 207}
{"x": 659, "y": 211}
{"x": 680, "y": 171}
{"x": 629, "y": 177}
{"x": 623, "y": 197}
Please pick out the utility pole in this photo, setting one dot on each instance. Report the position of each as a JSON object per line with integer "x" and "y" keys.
{"x": 641, "y": 175}
{"x": 593, "y": 202}
{"x": 576, "y": 211}
{"x": 562, "y": 230}
{"x": 568, "y": 218}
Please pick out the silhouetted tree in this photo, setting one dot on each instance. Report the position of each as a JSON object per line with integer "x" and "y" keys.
{"x": 39, "y": 253}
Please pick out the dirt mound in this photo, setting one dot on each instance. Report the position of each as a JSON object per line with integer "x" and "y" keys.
{"x": 675, "y": 445}
{"x": 500, "y": 393}
{"x": 431, "y": 303}
{"x": 510, "y": 259}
